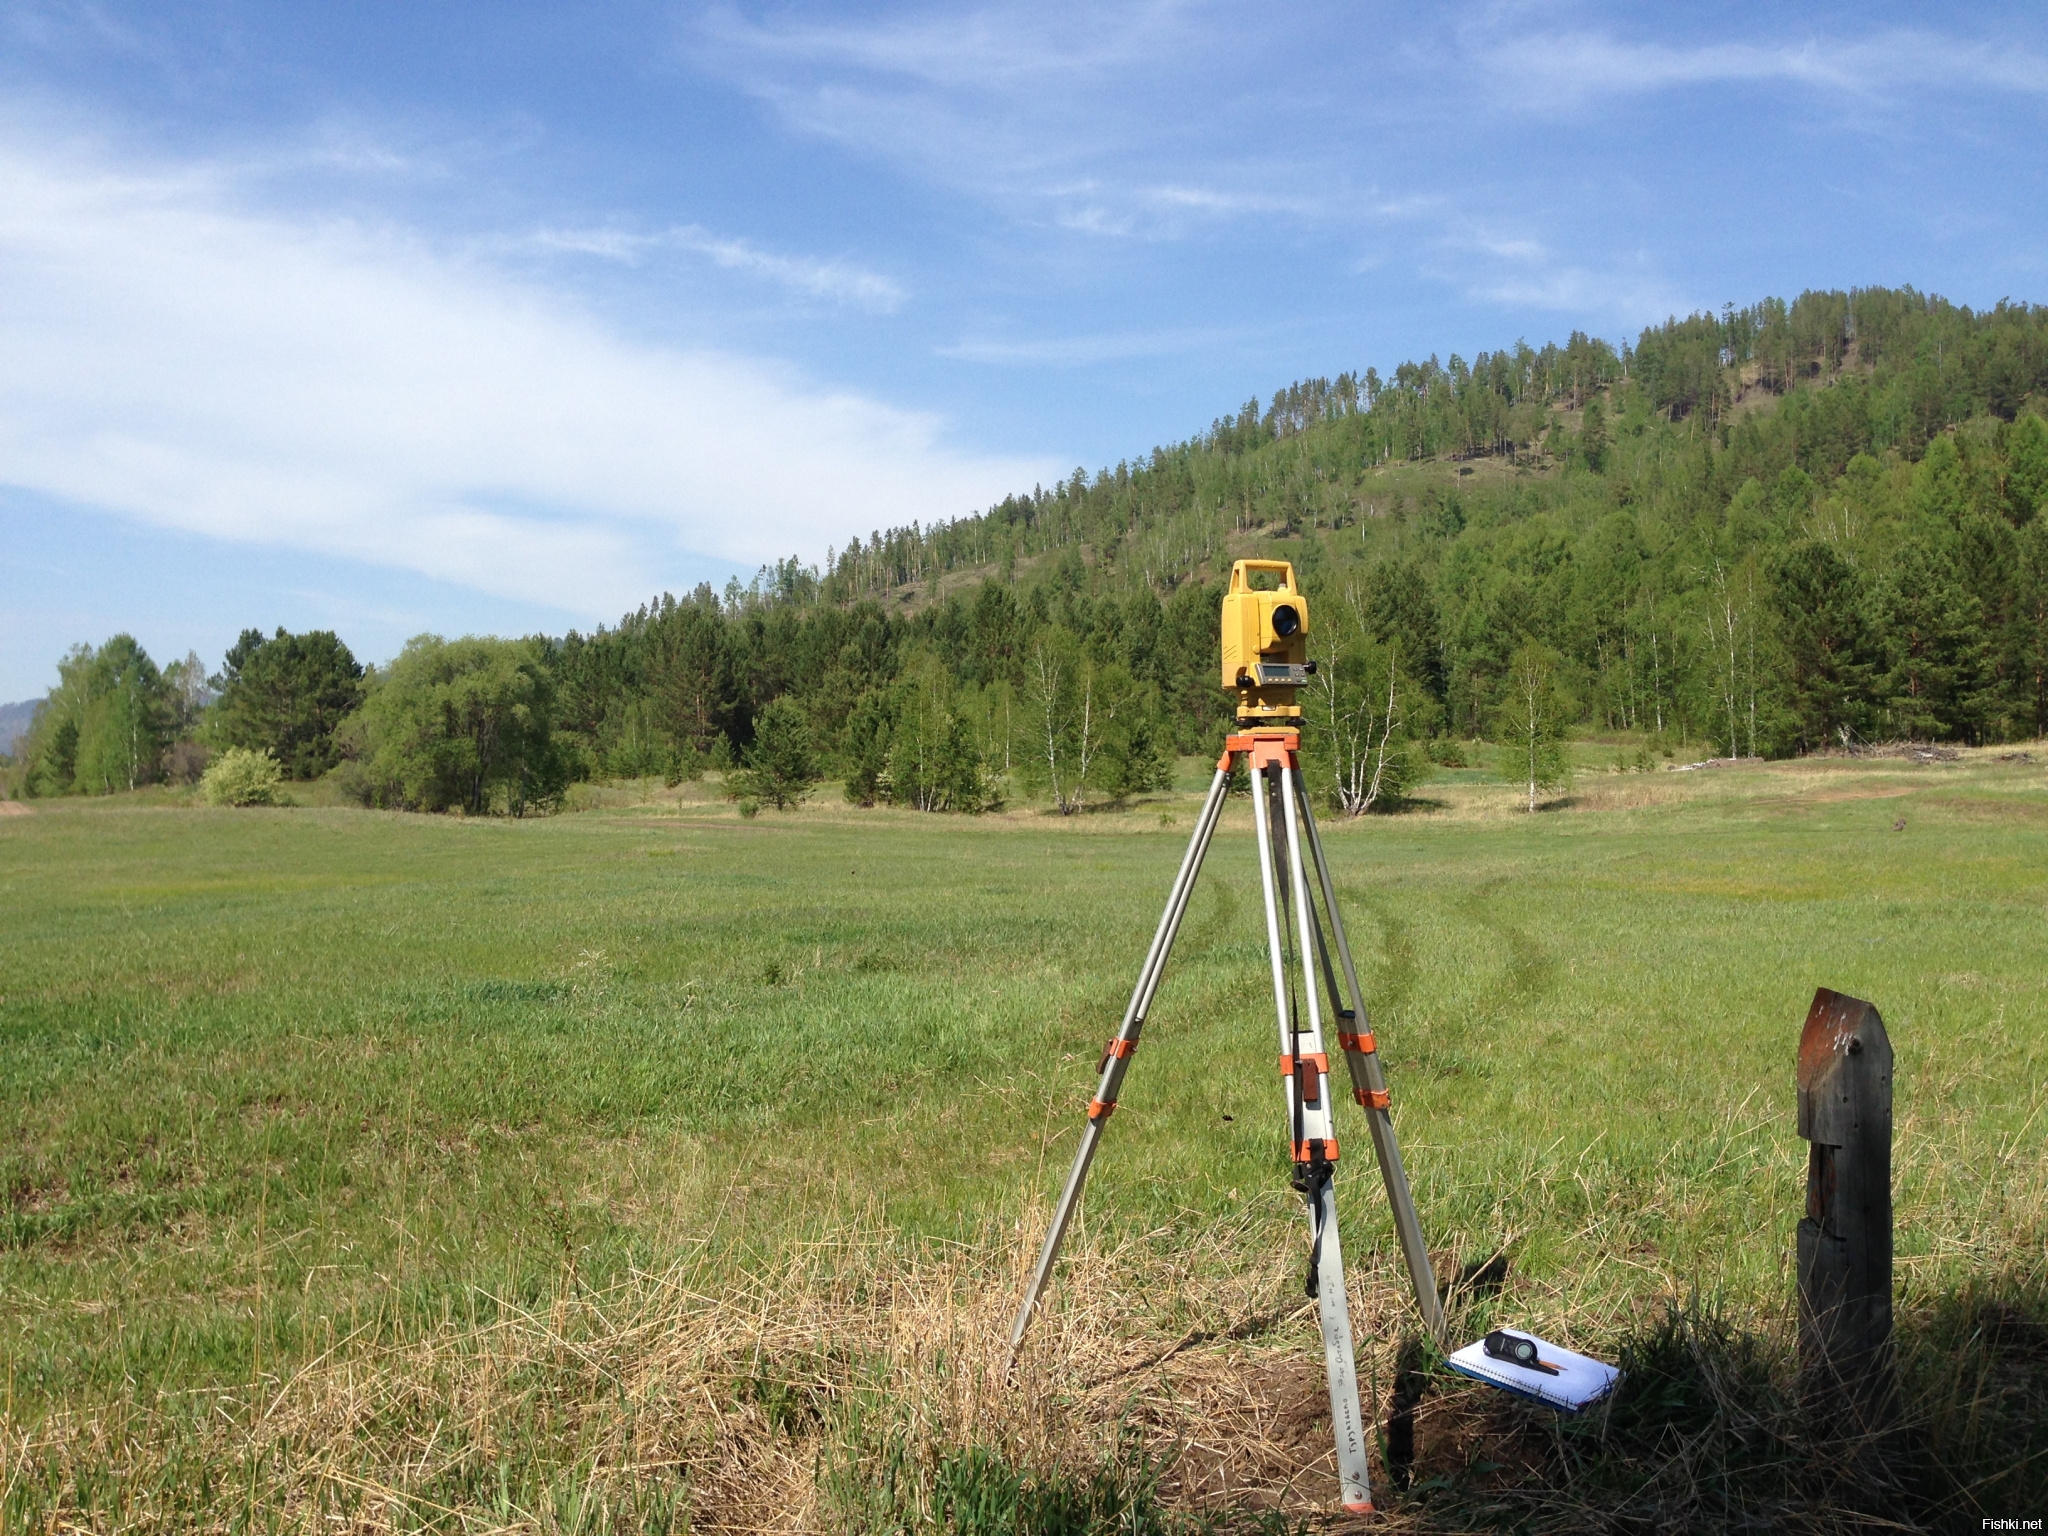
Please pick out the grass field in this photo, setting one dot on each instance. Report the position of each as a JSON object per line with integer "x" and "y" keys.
{"x": 647, "y": 1166}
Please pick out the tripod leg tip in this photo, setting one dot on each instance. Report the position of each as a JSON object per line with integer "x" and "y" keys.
{"x": 1363, "y": 1507}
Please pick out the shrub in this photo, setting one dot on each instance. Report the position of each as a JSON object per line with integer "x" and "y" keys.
{"x": 241, "y": 777}
{"x": 185, "y": 762}
{"x": 352, "y": 781}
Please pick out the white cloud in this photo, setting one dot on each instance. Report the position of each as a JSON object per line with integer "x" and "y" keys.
{"x": 840, "y": 281}
{"x": 326, "y": 386}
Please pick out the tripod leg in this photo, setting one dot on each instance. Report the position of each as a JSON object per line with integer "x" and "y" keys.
{"x": 1340, "y": 1361}
{"x": 1369, "y": 1086}
{"x": 1305, "y": 1069}
{"x": 1116, "y": 1058}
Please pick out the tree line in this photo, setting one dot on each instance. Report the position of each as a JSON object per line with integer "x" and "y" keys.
{"x": 1770, "y": 530}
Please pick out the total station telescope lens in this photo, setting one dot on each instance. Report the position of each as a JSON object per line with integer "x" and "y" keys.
{"x": 1286, "y": 620}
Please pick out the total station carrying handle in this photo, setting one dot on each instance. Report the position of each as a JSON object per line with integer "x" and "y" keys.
{"x": 1241, "y": 581}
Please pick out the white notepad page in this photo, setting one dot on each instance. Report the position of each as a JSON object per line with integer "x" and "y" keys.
{"x": 1580, "y": 1380}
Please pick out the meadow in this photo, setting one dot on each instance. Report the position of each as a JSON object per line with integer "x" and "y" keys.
{"x": 647, "y": 1167}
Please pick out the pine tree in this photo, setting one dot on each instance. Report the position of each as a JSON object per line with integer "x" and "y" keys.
{"x": 287, "y": 696}
{"x": 868, "y": 729}
{"x": 1818, "y": 602}
{"x": 782, "y": 762}
{"x": 1936, "y": 652}
{"x": 1592, "y": 444}
{"x": 2026, "y": 475}
{"x": 2030, "y": 609}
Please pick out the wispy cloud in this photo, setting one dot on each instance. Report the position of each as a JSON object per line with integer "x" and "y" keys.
{"x": 992, "y": 48}
{"x": 843, "y": 282}
{"x": 1165, "y": 212}
{"x": 1617, "y": 295}
{"x": 1077, "y": 351}
{"x": 1228, "y": 203}
{"x": 971, "y": 98}
{"x": 1506, "y": 247}
{"x": 1097, "y": 119}
{"x": 170, "y": 355}
{"x": 1588, "y": 65}
{"x": 1501, "y": 263}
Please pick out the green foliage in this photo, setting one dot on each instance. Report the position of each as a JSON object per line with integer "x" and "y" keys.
{"x": 122, "y": 737}
{"x": 50, "y": 749}
{"x": 461, "y": 724}
{"x": 2026, "y": 469}
{"x": 1592, "y": 444}
{"x": 934, "y": 763}
{"x": 240, "y": 776}
{"x": 1088, "y": 726}
{"x": 1820, "y": 608}
{"x": 287, "y": 695}
{"x": 781, "y": 763}
{"x": 104, "y": 727}
{"x": 665, "y": 693}
{"x": 1134, "y": 757}
{"x": 2029, "y": 624}
{"x": 866, "y": 754}
{"x": 1364, "y": 709}
{"x": 1530, "y": 724}
{"x": 1935, "y": 648}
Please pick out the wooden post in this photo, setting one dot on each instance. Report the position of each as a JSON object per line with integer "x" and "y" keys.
{"x": 1845, "y": 1242}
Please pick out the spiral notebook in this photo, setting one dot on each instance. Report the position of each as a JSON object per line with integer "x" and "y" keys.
{"x": 1580, "y": 1381}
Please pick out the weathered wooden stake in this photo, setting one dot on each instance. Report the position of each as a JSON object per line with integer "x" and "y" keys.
{"x": 1845, "y": 1242}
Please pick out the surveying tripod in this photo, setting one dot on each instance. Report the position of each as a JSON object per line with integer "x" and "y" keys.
{"x": 1285, "y": 825}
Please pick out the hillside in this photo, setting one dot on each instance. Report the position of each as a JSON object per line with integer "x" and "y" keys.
{"x": 1761, "y": 532}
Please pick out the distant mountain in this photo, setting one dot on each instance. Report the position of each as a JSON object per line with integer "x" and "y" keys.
{"x": 14, "y": 719}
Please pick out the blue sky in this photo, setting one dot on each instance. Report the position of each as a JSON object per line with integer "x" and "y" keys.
{"x": 504, "y": 317}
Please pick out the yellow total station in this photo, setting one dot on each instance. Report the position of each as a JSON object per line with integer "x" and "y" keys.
{"x": 1265, "y": 642}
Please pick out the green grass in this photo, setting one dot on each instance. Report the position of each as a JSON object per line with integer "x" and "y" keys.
{"x": 273, "y": 1078}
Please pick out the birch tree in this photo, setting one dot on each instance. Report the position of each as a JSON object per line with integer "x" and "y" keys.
{"x": 1067, "y": 717}
{"x": 1530, "y": 724}
{"x": 1358, "y": 706}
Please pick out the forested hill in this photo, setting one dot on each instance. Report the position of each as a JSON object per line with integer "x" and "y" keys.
{"x": 1758, "y": 531}
{"x": 1772, "y": 530}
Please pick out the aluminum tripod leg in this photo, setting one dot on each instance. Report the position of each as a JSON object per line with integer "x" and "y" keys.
{"x": 1312, "y": 1126}
{"x": 1116, "y": 1058}
{"x": 1369, "y": 1084}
